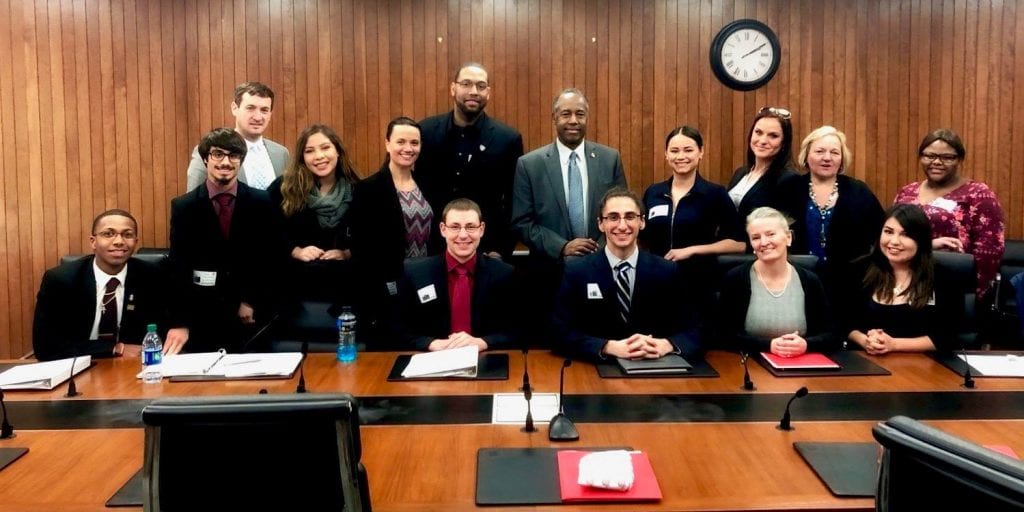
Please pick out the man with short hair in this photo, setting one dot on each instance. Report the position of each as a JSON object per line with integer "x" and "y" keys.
{"x": 227, "y": 250}
{"x": 459, "y": 298}
{"x": 99, "y": 305}
{"x": 621, "y": 301}
{"x": 251, "y": 106}
{"x": 466, "y": 153}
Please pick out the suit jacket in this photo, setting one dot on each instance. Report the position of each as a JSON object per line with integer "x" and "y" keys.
{"x": 487, "y": 177}
{"x": 494, "y": 298}
{"x": 539, "y": 211}
{"x": 763, "y": 191}
{"x": 66, "y": 309}
{"x": 247, "y": 263}
{"x": 659, "y": 306}
{"x": 196, "y": 172}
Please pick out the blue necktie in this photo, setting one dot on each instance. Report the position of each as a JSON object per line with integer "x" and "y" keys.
{"x": 577, "y": 216}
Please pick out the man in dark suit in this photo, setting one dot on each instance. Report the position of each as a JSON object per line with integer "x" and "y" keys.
{"x": 621, "y": 301}
{"x": 227, "y": 250}
{"x": 459, "y": 298}
{"x": 99, "y": 305}
{"x": 466, "y": 153}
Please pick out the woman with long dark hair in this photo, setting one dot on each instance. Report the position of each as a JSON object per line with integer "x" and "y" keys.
{"x": 769, "y": 160}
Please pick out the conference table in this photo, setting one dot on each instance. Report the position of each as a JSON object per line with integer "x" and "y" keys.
{"x": 712, "y": 445}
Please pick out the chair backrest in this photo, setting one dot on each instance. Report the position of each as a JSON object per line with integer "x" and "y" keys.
{"x": 959, "y": 272}
{"x": 924, "y": 468}
{"x": 156, "y": 256}
{"x": 254, "y": 452}
{"x": 726, "y": 262}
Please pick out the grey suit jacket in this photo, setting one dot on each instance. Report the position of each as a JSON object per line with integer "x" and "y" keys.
{"x": 197, "y": 169}
{"x": 539, "y": 212}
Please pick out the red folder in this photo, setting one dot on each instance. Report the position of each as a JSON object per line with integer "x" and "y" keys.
{"x": 806, "y": 361}
{"x": 645, "y": 485}
{"x": 1003, "y": 449}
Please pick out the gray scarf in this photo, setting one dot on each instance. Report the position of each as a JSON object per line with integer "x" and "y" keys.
{"x": 330, "y": 208}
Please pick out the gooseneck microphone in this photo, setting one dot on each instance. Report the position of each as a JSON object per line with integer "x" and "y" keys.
{"x": 72, "y": 388}
{"x": 784, "y": 424}
{"x": 748, "y": 384}
{"x": 968, "y": 378}
{"x": 6, "y": 429}
{"x": 301, "y": 387}
{"x": 561, "y": 427}
{"x": 527, "y": 393}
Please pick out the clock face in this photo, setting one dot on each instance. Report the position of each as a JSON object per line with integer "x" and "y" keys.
{"x": 747, "y": 55}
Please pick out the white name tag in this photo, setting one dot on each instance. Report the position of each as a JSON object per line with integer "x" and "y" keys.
{"x": 427, "y": 293}
{"x": 594, "y": 291}
{"x": 945, "y": 204}
{"x": 204, "y": 278}
{"x": 660, "y": 210}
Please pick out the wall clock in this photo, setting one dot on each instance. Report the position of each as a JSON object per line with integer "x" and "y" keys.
{"x": 745, "y": 54}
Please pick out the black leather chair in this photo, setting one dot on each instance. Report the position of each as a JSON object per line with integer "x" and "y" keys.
{"x": 1008, "y": 329}
{"x": 959, "y": 268}
{"x": 924, "y": 468}
{"x": 154, "y": 255}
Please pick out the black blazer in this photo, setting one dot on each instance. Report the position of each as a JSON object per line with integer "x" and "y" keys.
{"x": 659, "y": 307}
{"x": 735, "y": 300}
{"x": 247, "y": 263}
{"x": 487, "y": 177}
{"x": 66, "y": 309}
{"x": 762, "y": 193}
{"x": 303, "y": 228}
{"x": 492, "y": 305}
{"x": 857, "y": 218}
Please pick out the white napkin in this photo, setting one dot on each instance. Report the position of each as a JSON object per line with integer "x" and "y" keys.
{"x": 607, "y": 470}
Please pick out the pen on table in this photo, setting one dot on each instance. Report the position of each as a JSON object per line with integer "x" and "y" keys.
{"x": 248, "y": 361}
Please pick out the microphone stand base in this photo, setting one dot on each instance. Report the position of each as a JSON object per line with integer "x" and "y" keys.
{"x": 562, "y": 429}
{"x": 786, "y": 428}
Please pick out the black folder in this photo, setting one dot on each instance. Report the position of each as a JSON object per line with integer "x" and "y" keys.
{"x": 9, "y": 455}
{"x": 488, "y": 367}
{"x": 848, "y": 469}
{"x": 520, "y": 476}
{"x": 130, "y": 494}
{"x": 699, "y": 368}
{"x": 851, "y": 364}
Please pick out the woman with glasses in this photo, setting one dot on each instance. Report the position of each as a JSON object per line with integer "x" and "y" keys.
{"x": 391, "y": 219}
{"x": 769, "y": 160}
{"x": 965, "y": 214}
{"x": 902, "y": 305}
{"x": 771, "y": 305}
{"x": 314, "y": 195}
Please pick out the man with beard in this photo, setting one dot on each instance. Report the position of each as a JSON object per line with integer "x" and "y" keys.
{"x": 227, "y": 249}
{"x": 467, "y": 153}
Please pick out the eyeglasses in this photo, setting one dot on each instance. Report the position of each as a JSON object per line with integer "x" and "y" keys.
{"x": 946, "y": 159}
{"x": 110, "y": 234}
{"x": 469, "y": 84}
{"x": 781, "y": 113}
{"x": 218, "y": 155}
{"x": 471, "y": 229}
{"x": 614, "y": 218}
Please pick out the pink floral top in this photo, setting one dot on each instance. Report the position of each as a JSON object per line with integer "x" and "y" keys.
{"x": 971, "y": 213}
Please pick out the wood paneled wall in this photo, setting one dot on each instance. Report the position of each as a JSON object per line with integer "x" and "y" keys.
{"x": 102, "y": 100}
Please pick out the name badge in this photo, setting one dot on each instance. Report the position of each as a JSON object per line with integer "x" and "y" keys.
{"x": 594, "y": 291}
{"x": 204, "y": 278}
{"x": 945, "y": 204}
{"x": 427, "y": 294}
{"x": 660, "y": 210}
{"x": 392, "y": 287}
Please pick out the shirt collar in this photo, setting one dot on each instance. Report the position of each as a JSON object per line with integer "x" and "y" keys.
{"x": 452, "y": 263}
{"x": 102, "y": 277}
{"x": 215, "y": 191}
{"x": 563, "y": 150}
{"x": 250, "y": 145}
{"x": 614, "y": 260}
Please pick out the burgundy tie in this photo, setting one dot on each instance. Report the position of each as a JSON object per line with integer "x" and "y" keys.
{"x": 108, "y": 312}
{"x": 460, "y": 301}
{"x": 224, "y": 215}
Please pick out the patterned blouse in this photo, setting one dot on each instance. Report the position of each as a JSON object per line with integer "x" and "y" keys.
{"x": 972, "y": 214}
{"x": 418, "y": 216}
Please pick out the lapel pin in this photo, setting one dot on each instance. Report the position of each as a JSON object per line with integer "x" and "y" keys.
{"x": 482, "y": 147}
{"x": 592, "y": 155}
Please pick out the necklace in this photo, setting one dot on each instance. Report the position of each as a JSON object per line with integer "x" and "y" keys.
{"x": 899, "y": 289}
{"x": 103, "y": 306}
{"x": 779, "y": 293}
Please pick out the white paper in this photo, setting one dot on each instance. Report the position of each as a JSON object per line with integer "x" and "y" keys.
{"x": 611, "y": 469}
{"x": 510, "y": 408}
{"x": 220, "y": 364}
{"x": 996, "y": 365}
{"x": 455, "y": 362}
{"x": 47, "y": 375}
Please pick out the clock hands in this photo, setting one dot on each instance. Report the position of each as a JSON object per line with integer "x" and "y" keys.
{"x": 755, "y": 50}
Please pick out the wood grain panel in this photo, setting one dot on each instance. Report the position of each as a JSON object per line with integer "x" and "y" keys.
{"x": 101, "y": 101}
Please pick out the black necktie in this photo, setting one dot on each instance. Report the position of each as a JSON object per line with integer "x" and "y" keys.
{"x": 108, "y": 312}
{"x": 623, "y": 290}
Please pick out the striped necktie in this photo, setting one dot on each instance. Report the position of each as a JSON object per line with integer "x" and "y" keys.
{"x": 623, "y": 289}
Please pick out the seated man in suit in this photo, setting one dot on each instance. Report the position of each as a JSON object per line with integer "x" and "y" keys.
{"x": 99, "y": 305}
{"x": 227, "y": 251}
{"x": 462, "y": 297}
{"x": 621, "y": 301}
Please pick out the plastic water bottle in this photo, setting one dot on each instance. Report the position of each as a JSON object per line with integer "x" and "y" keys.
{"x": 152, "y": 350}
{"x": 347, "y": 335}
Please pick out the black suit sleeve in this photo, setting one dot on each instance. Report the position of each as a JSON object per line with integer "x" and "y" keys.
{"x": 54, "y": 334}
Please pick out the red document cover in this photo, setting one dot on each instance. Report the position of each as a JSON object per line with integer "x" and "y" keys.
{"x": 1003, "y": 449}
{"x": 807, "y": 361}
{"x": 645, "y": 485}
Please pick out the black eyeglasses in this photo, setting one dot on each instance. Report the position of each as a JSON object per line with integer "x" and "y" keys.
{"x": 218, "y": 155}
{"x": 946, "y": 159}
{"x": 469, "y": 84}
{"x": 781, "y": 113}
{"x": 110, "y": 234}
{"x": 614, "y": 218}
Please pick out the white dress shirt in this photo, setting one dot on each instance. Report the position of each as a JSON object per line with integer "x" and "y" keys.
{"x": 581, "y": 161}
{"x": 101, "y": 289}
{"x": 259, "y": 170}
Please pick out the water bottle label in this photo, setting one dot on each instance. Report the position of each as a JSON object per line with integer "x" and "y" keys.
{"x": 151, "y": 357}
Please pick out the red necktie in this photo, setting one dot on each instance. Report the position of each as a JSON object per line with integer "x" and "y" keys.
{"x": 224, "y": 215}
{"x": 460, "y": 301}
{"x": 107, "y": 330}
